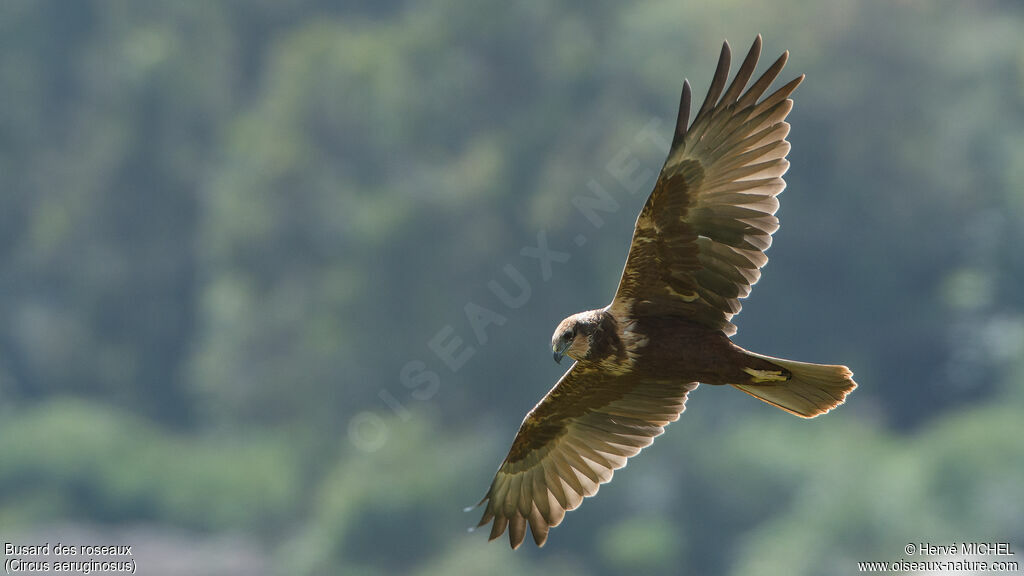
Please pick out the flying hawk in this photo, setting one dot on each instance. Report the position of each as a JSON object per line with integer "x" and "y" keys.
{"x": 697, "y": 249}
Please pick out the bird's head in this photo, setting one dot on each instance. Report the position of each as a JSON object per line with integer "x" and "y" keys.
{"x": 573, "y": 336}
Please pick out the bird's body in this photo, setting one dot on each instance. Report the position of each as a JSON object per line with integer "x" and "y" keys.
{"x": 697, "y": 248}
{"x": 653, "y": 347}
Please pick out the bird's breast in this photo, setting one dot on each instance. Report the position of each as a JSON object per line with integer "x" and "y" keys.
{"x": 680, "y": 349}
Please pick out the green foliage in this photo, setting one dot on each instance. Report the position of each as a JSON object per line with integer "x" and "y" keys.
{"x": 864, "y": 496}
{"x": 643, "y": 544}
{"x": 67, "y": 459}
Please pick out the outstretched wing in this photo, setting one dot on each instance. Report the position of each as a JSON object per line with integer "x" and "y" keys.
{"x": 571, "y": 442}
{"x": 700, "y": 239}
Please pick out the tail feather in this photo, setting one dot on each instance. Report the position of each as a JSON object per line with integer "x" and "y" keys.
{"x": 811, "y": 389}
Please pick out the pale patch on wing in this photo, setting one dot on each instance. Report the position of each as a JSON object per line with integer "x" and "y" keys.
{"x": 633, "y": 341}
{"x": 689, "y": 296}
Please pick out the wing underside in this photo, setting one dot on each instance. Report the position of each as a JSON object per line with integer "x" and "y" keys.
{"x": 583, "y": 430}
{"x": 700, "y": 240}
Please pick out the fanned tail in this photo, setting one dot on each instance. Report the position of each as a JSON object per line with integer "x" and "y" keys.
{"x": 809, "y": 390}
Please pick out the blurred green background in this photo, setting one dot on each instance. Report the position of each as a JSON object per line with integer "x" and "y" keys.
{"x": 230, "y": 231}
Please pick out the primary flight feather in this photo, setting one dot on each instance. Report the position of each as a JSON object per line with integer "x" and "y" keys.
{"x": 697, "y": 249}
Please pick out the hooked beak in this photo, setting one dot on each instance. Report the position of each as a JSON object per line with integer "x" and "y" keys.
{"x": 560, "y": 352}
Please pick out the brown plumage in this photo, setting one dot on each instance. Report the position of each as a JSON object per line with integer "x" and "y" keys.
{"x": 697, "y": 249}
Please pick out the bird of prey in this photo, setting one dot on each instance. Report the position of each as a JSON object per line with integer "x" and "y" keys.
{"x": 697, "y": 248}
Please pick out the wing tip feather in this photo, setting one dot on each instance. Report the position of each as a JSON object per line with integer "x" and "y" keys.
{"x": 683, "y": 117}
